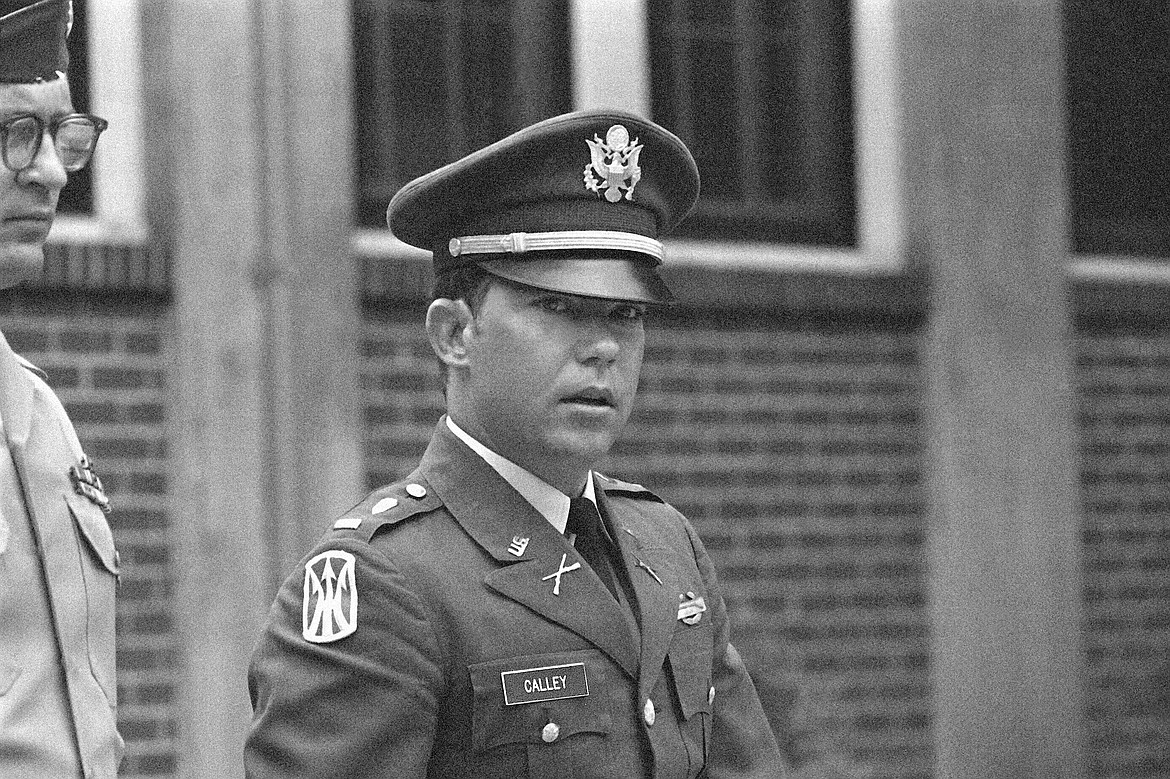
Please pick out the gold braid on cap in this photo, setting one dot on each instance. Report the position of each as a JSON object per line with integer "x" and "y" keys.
{"x": 519, "y": 243}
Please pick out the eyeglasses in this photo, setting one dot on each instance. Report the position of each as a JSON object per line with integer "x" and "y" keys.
{"x": 74, "y": 137}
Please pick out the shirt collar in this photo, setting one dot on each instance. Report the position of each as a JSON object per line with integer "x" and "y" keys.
{"x": 552, "y": 504}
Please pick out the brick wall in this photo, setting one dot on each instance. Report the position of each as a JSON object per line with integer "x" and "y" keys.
{"x": 1124, "y": 392}
{"x": 794, "y": 444}
{"x": 105, "y": 358}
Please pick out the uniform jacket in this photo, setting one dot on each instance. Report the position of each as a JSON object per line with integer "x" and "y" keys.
{"x": 464, "y": 662}
{"x": 58, "y": 573}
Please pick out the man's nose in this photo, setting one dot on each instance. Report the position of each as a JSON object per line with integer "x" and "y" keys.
{"x": 46, "y": 168}
{"x": 599, "y": 343}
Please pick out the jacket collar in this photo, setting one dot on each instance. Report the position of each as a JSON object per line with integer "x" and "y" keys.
{"x": 508, "y": 528}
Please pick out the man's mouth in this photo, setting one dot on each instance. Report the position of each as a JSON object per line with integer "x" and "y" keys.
{"x": 597, "y": 397}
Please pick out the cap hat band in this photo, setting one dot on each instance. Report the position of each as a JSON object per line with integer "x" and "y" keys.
{"x": 520, "y": 243}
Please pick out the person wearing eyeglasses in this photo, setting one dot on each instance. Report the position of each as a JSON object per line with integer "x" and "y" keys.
{"x": 58, "y": 564}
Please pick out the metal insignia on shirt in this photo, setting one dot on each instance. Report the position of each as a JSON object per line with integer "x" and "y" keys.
{"x": 614, "y": 164}
{"x": 561, "y": 571}
{"x": 518, "y": 546}
{"x": 691, "y": 608}
{"x": 87, "y": 484}
{"x": 329, "y": 608}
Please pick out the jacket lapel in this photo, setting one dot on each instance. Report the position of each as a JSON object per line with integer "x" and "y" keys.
{"x": 499, "y": 520}
{"x": 656, "y": 605}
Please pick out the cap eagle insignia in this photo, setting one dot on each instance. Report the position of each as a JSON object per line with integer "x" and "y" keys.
{"x": 614, "y": 164}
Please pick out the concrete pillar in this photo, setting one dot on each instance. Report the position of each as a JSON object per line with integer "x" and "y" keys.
{"x": 251, "y": 177}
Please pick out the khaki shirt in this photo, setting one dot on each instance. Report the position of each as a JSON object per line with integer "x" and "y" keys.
{"x": 58, "y": 573}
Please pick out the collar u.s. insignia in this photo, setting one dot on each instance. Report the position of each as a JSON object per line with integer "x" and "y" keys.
{"x": 329, "y": 608}
{"x": 613, "y": 164}
{"x": 87, "y": 484}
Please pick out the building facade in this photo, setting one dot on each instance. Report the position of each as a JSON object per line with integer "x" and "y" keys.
{"x": 915, "y": 404}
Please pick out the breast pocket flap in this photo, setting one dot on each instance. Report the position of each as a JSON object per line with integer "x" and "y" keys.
{"x": 95, "y": 530}
{"x": 539, "y": 699}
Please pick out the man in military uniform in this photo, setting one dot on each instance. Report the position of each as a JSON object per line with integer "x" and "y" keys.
{"x": 58, "y": 566}
{"x": 506, "y": 610}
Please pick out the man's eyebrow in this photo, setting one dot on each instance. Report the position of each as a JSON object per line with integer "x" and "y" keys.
{"x": 14, "y": 113}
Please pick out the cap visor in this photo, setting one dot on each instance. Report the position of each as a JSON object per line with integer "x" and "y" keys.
{"x": 611, "y": 279}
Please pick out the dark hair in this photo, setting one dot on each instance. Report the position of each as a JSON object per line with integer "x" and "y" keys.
{"x": 468, "y": 283}
{"x": 464, "y": 282}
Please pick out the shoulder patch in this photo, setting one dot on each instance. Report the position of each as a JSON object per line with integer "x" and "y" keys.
{"x": 329, "y": 607}
{"x": 626, "y": 488}
{"x": 389, "y": 506}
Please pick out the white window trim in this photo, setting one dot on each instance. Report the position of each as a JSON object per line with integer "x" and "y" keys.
{"x": 115, "y": 46}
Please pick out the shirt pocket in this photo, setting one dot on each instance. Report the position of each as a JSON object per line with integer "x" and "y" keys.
{"x": 100, "y": 569}
{"x": 542, "y": 715}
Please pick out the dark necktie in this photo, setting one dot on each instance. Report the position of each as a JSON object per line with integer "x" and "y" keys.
{"x": 585, "y": 523}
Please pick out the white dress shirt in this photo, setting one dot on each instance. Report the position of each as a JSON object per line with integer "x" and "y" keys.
{"x": 552, "y": 504}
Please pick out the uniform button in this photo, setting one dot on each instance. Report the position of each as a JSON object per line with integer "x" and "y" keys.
{"x": 416, "y": 490}
{"x": 550, "y": 733}
{"x": 711, "y": 696}
{"x": 648, "y": 712}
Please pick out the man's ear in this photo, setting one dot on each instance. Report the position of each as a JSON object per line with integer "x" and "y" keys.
{"x": 449, "y": 326}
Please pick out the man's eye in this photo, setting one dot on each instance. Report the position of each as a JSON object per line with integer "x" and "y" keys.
{"x": 553, "y": 304}
{"x": 629, "y": 313}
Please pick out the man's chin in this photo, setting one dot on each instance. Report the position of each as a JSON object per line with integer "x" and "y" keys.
{"x": 20, "y": 262}
{"x": 581, "y": 446}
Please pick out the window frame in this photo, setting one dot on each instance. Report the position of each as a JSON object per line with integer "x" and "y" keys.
{"x": 603, "y": 73}
{"x": 116, "y": 94}
{"x": 881, "y": 193}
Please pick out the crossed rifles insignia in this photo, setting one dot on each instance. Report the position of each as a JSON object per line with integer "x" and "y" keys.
{"x": 87, "y": 484}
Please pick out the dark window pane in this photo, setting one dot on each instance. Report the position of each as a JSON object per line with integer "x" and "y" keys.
{"x": 762, "y": 93}
{"x": 437, "y": 79}
{"x": 782, "y": 113}
{"x": 414, "y": 106}
{"x": 779, "y": 15}
{"x": 712, "y": 12}
{"x": 715, "y": 132}
{"x": 1119, "y": 125}
{"x": 77, "y": 196}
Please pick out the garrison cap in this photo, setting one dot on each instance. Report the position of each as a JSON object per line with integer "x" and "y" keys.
{"x": 574, "y": 204}
{"x": 33, "y": 40}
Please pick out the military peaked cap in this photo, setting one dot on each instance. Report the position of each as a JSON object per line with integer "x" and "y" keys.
{"x": 573, "y": 204}
{"x": 33, "y": 40}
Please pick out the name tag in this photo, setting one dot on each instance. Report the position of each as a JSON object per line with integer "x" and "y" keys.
{"x": 551, "y": 683}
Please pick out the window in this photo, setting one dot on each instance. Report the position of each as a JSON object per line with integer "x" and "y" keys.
{"x": 436, "y": 79}
{"x": 761, "y": 91}
{"x": 107, "y": 205}
{"x": 798, "y": 150}
{"x": 77, "y": 196}
{"x": 1119, "y": 126}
